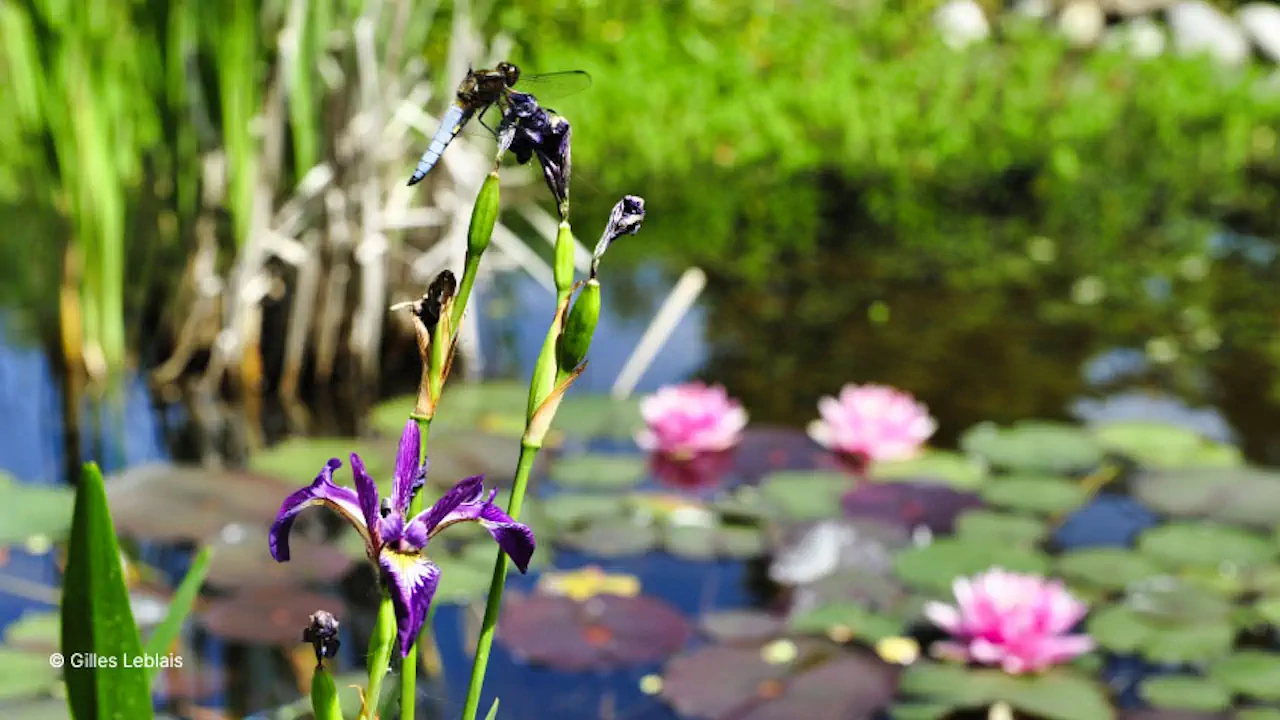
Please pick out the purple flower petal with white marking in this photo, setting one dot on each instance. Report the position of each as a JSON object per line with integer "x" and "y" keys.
{"x": 396, "y": 544}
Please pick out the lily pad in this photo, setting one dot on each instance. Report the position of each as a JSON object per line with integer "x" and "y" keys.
{"x": 565, "y": 510}
{"x": 175, "y": 503}
{"x": 1205, "y": 544}
{"x": 1252, "y": 673}
{"x": 299, "y": 459}
{"x": 746, "y": 627}
{"x": 36, "y": 632}
{"x": 25, "y": 674}
{"x": 240, "y": 560}
{"x": 1185, "y": 692}
{"x": 463, "y": 405}
{"x": 1106, "y": 568}
{"x": 31, "y": 509}
{"x": 585, "y": 415}
{"x": 850, "y": 619}
{"x": 266, "y": 616}
{"x": 605, "y": 632}
{"x": 913, "y": 504}
{"x": 1001, "y": 528}
{"x": 1055, "y": 695}
{"x": 597, "y": 471}
{"x": 935, "y": 567}
{"x": 1040, "y": 495}
{"x": 1034, "y": 447}
{"x": 805, "y": 495}
{"x": 941, "y": 466}
{"x": 615, "y": 538}
{"x": 1123, "y": 629}
{"x": 1159, "y": 445}
{"x": 1232, "y": 496}
{"x": 766, "y": 450}
{"x": 720, "y": 682}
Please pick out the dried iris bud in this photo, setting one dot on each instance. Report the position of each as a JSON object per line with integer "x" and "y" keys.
{"x": 322, "y": 633}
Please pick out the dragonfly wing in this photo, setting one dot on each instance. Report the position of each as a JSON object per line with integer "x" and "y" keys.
{"x": 550, "y": 86}
{"x": 454, "y": 118}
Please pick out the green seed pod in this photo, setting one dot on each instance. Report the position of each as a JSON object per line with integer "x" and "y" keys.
{"x": 564, "y": 260}
{"x": 324, "y": 696}
{"x": 483, "y": 217}
{"x": 575, "y": 340}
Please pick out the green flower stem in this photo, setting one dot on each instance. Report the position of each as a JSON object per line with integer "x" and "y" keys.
{"x": 528, "y": 453}
{"x": 409, "y": 666}
{"x": 380, "y": 645}
{"x": 484, "y": 217}
{"x": 464, "y": 291}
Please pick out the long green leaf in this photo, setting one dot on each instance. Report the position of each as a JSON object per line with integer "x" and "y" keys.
{"x": 493, "y": 711}
{"x": 166, "y": 632}
{"x": 96, "y": 617}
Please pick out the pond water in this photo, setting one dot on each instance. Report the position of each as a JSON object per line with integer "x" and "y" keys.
{"x": 242, "y": 679}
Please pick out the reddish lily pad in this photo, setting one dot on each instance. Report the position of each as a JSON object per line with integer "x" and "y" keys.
{"x": 765, "y": 450}
{"x": 910, "y": 503}
{"x": 722, "y": 682}
{"x": 701, "y": 473}
{"x": 240, "y": 560}
{"x": 266, "y": 616}
{"x": 174, "y": 503}
{"x": 604, "y": 632}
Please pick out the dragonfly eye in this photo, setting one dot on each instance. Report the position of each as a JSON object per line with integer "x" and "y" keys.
{"x": 510, "y": 73}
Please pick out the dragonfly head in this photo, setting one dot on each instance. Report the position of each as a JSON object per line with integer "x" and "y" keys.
{"x": 510, "y": 73}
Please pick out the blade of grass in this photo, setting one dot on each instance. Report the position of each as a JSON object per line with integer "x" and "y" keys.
{"x": 96, "y": 616}
{"x": 164, "y": 634}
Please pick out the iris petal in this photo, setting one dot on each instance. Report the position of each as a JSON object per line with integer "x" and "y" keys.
{"x": 515, "y": 539}
{"x": 406, "y": 466}
{"x": 411, "y": 579}
{"x": 366, "y": 491}
{"x": 321, "y": 492}
{"x": 466, "y": 491}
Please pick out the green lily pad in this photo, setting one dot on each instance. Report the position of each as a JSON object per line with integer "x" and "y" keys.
{"x": 598, "y": 471}
{"x": 921, "y": 711}
{"x": 1034, "y": 447}
{"x": 33, "y": 510}
{"x": 935, "y": 567}
{"x": 1253, "y": 673}
{"x": 1000, "y": 528}
{"x": 805, "y": 495}
{"x": 300, "y": 459}
{"x": 613, "y": 539}
{"x": 1258, "y": 714}
{"x": 1040, "y": 495}
{"x": 1123, "y": 629}
{"x": 1056, "y": 695}
{"x": 741, "y": 541}
{"x": 862, "y": 623}
{"x": 567, "y": 509}
{"x": 950, "y": 468}
{"x": 587, "y": 416}
{"x": 1159, "y": 445}
{"x": 35, "y": 632}
{"x": 1231, "y": 496}
{"x": 1189, "y": 544}
{"x": 463, "y": 405}
{"x": 1106, "y": 568}
{"x": 691, "y": 542}
{"x": 25, "y": 674}
{"x": 1185, "y": 692}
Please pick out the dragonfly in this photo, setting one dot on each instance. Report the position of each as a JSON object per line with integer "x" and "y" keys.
{"x": 480, "y": 90}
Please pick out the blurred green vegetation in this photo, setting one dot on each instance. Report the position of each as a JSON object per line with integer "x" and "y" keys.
{"x": 831, "y": 165}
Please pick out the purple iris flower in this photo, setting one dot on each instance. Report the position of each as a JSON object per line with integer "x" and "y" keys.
{"x": 396, "y": 543}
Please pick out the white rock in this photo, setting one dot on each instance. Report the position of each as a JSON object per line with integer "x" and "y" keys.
{"x": 1082, "y": 22}
{"x": 961, "y": 23}
{"x": 1141, "y": 36}
{"x": 1197, "y": 27}
{"x": 1261, "y": 21}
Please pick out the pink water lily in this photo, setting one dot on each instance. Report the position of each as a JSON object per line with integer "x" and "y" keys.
{"x": 872, "y": 423}
{"x": 1017, "y": 622}
{"x": 683, "y": 421}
